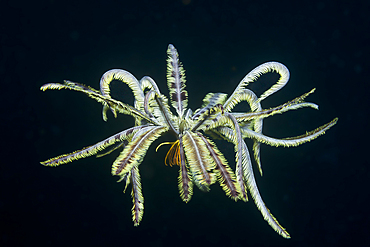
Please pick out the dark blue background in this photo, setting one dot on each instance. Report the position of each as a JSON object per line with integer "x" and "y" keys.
{"x": 318, "y": 191}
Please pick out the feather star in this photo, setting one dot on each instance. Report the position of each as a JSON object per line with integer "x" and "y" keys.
{"x": 200, "y": 161}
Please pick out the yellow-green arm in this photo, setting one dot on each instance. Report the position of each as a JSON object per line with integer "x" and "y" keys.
{"x": 134, "y": 152}
{"x": 291, "y": 141}
{"x": 93, "y": 149}
{"x": 137, "y": 196}
{"x": 105, "y": 100}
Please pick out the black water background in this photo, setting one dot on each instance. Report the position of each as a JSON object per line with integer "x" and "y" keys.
{"x": 318, "y": 191}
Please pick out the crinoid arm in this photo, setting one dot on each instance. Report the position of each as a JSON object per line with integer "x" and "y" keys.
{"x": 137, "y": 196}
{"x": 211, "y": 100}
{"x": 225, "y": 176}
{"x": 111, "y": 149}
{"x": 134, "y": 152}
{"x": 290, "y": 141}
{"x": 253, "y": 189}
{"x": 126, "y": 77}
{"x": 93, "y": 149}
{"x": 176, "y": 81}
{"x": 200, "y": 164}
{"x": 248, "y": 180}
{"x": 185, "y": 179}
{"x": 240, "y": 92}
{"x": 264, "y": 113}
{"x": 254, "y": 75}
{"x": 105, "y": 100}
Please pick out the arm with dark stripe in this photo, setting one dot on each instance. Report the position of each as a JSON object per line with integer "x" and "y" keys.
{"x": 185, "y": 183}
{"x": 225, "y": 175}
{"x": 137, "y": 196}
{"x": 93, "y": 149}
{"x": 176, "y": 81}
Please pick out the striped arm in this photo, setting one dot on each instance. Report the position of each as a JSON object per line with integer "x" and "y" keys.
{"x": 93, "y": 149}
{"x": 134, "y": 152}
{"x": 176, "y": 81}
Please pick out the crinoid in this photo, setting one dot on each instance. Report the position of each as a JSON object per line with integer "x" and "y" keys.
{"x": 200, "y": 161}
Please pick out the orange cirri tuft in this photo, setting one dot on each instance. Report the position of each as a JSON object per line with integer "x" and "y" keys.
{"x": 173, "y": 154}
